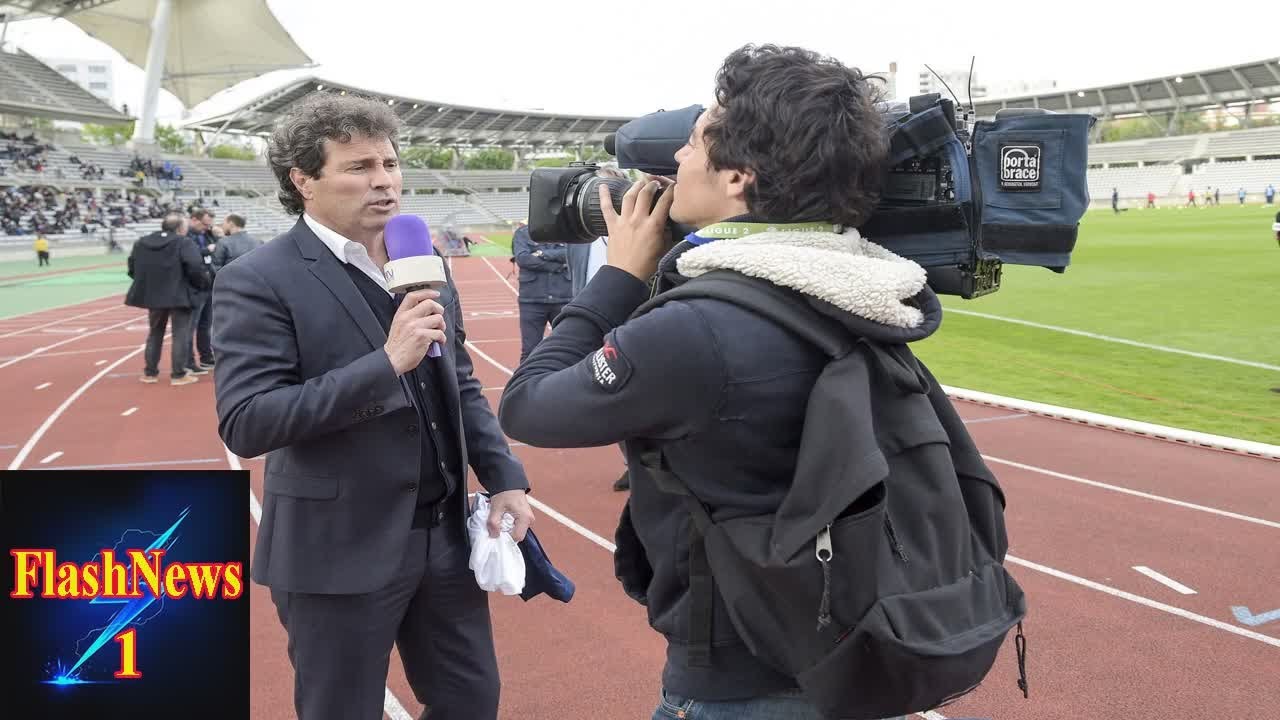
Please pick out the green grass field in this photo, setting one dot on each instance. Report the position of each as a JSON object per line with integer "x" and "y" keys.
{"x": 1204, "y": 281}
{"x": 94, "y": 276}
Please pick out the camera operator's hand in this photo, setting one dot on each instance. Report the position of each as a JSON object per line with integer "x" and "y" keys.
{"x": 418, "y": 322}
{"x": 637, "y": 235}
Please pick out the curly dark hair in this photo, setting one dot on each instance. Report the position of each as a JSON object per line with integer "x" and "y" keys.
{"x": 807, "y": 126}
{"x": 298, "y": 139}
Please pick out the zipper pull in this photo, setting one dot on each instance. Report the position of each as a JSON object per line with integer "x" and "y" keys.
{"x": 824, "y": 554}
{"x": 824, "y": 545}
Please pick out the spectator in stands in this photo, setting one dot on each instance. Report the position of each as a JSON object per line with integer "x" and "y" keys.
{"x": 234, "y": 243}
{"x": 42, "y": 250}
{"x": 167, "y": 275}
{"x": 545, "y": 285}
{"x": 199, "y": 227}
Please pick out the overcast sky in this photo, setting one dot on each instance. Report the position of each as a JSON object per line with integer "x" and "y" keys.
{"x": 630, "y": 58}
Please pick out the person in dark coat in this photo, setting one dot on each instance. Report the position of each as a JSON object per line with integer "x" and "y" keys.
{"x": 168, "y": 276}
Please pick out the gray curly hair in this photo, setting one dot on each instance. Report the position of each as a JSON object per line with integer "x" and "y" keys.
{"x": 298, "y": 139}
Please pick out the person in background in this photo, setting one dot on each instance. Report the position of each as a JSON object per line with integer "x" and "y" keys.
{"x": 168, "y": 275}
{"x": 42, "y": 250}
{"x": 200, "y": 233}
{"x": 234, "y": 242}
{"x": 584, "y": 262}
{"x": 545, "y": 285}
{"x": 1240, "y": 194}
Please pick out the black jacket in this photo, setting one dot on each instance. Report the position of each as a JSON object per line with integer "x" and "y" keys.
{"x": 721, "y": 390}
{"x": 167, "y": 272}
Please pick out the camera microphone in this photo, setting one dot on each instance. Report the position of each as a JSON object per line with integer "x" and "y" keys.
{"x": 413, "y": 264}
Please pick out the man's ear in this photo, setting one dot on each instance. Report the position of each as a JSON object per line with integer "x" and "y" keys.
{"x": 302, "y": 182}
{"x": 738, "y": 180}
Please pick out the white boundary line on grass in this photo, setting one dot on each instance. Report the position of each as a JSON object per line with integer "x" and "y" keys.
{"x": 1120, "y": 341}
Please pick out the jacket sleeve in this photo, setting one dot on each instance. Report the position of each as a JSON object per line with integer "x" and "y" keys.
{"x": 488, "y": 453}
{"x": 193, "y": 265}
{"x": 263, "y": 403}
{"x": 220, "y": 255}
{"x": 524, "y": 247}
{"x": 600, "y": 378}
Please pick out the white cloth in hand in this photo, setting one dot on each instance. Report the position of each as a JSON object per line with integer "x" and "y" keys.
{"x": 497, "y": 562}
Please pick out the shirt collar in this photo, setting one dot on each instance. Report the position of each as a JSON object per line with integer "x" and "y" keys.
{"x": 333, "y": 240}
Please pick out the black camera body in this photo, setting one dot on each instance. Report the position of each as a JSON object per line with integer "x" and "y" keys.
{"x": 959, "y": 198}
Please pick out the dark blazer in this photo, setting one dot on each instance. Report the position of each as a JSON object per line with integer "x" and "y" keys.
{"x": 302, "y": 376}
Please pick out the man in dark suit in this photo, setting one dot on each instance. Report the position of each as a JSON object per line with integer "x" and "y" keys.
{"x": 362, "y": 540}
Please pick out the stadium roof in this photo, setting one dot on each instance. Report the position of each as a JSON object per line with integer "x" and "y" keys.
{"x": 31, "y": 88}
{"x": 426, "y": 122}
{"x": 1226, "y": 86}
{"x": 212, "y": 44}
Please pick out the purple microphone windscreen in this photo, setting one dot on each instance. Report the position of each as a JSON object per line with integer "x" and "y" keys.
{"x": 407, "y": 236}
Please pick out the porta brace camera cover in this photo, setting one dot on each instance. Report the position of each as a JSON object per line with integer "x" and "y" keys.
{"x": 1013, "y": 192}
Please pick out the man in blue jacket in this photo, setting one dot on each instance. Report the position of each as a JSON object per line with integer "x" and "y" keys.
{"x": 545, "y": 285}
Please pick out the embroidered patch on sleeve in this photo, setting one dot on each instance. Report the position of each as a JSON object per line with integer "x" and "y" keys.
{"x": 609, "y": 367}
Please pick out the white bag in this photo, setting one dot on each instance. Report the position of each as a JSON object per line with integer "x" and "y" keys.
{"x": 497, "y": 562}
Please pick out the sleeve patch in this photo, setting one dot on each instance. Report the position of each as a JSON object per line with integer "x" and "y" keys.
{"x": 609, "y": 367}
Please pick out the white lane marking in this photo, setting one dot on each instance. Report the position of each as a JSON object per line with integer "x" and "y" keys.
{"x": 1164, "y": 580}
{"x": 51, "y": 458}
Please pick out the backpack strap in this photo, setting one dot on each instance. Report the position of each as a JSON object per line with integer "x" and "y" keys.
{"x": 781, "y": 306}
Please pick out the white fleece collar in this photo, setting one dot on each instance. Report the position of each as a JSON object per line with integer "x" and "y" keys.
{"x": 846, "y": 270}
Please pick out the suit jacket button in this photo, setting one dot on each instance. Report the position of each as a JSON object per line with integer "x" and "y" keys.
{"x": 411, "y": 487}
{"x": 412, "y": 429}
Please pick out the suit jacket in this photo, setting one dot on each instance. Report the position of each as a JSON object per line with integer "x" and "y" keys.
{"x": 302, "y": 376}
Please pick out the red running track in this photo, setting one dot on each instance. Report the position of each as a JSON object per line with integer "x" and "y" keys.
{"x": 1086, "y": 506}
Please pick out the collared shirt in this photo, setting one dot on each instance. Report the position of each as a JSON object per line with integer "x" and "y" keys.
{"x": 347, "y": 251}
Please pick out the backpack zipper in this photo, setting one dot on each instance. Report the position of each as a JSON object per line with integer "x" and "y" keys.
{"x": 823, "y": 552}
{"x": 893, "y": 539}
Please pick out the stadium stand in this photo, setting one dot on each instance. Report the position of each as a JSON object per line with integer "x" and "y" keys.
{"x": 29, "y": 87}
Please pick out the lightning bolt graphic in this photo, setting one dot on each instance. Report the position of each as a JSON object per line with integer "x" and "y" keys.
{"x": 133, "y": 607}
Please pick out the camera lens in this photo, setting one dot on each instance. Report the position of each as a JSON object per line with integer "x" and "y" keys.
{"x": 588, "y": 202}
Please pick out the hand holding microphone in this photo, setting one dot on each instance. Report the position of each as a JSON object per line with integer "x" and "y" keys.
{"x": 418, "y": 326}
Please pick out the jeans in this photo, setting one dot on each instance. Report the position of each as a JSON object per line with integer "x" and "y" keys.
{"x": 788, "y": 705}
{"x": 534, "y": 318}
{"x": 201, "y": 324}
{"x": 180, "y": 358}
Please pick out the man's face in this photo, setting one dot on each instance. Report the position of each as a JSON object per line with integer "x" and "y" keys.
{"x": 704, "y": 195}
{"x": 200, "y": 223}
{"x": 358, "y": 189}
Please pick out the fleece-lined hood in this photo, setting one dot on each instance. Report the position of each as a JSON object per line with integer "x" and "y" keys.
{"x": 870, "y": 290}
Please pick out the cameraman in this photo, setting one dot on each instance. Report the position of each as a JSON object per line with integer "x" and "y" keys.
{"x": 793, "y": 138}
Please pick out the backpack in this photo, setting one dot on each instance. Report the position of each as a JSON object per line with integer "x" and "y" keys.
{"x": 878, "y": 584}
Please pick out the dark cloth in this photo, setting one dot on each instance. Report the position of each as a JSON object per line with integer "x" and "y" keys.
{"x": 42, "y": 258}
{"x": 440, "y": 467}
{"x": 231, "y": 247}
{"x": 180, "y": 352}
{"x": 431, "y": 609}
{"x": 166, "y": 272}
{"x": 534, "y": 318}
{"x": 722, "y": 391}
{"x": 544, "y": 278}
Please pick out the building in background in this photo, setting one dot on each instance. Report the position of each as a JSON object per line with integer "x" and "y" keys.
{"x": 96, "y": 76}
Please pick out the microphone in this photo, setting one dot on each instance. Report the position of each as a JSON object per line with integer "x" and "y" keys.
{"x": 413, "y": 264}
